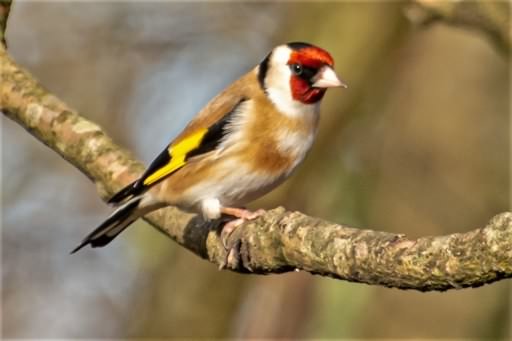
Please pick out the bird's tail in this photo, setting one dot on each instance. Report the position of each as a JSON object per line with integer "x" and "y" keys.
{"x": 114, "y": 224}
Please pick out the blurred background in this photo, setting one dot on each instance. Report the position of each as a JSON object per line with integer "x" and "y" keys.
{"x": 418, "y": 144}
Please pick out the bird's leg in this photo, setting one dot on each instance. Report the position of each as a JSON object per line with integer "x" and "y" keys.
{"x": 242, "y": 215}
{"x": 235, "y": 251}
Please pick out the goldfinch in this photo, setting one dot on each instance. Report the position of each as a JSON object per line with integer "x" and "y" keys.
{"x": 241, "y": 145}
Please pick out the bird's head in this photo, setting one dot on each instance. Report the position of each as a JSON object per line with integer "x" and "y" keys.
{"x": 297, "y": 73}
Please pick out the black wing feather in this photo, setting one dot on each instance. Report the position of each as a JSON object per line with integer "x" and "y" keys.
{"x": 215, "y": 133}
{"x": 209, "y": 142}
{"x": 137, "y": 187}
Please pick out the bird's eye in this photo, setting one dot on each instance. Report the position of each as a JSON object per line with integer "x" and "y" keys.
{"x": 296, "y": 69}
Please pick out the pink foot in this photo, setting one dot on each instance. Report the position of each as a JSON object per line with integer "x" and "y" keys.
{"x": 242, "y": 215}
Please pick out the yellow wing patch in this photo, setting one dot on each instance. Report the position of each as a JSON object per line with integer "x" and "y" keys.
{"x": 177, "y": 154}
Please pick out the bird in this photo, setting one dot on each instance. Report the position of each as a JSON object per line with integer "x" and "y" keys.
{"x": 245, "y": 142}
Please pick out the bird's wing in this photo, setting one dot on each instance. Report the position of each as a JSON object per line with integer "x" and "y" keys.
{"x": 202, "y": 135}
{"x": 195, "y": 142}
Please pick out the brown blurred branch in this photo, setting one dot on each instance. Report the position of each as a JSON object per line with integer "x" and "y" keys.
{"x": 489, "y": 17}
{"x": 279, "y": 241}
{"x": 5, "y": 7}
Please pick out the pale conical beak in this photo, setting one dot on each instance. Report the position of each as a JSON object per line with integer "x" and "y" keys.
{"x": 327, "y": 78}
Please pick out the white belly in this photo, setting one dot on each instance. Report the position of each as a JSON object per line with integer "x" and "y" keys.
{"x": 233, "y": 184}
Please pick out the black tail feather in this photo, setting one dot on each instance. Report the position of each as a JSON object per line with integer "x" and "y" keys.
{"x": 127, "y": 192}
{"x": 112, "y": 226}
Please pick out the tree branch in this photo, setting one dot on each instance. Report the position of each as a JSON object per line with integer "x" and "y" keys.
{"x": 492, "y": 18}
{"x": 5, "y": 7}
{"x": 279, "y": 241}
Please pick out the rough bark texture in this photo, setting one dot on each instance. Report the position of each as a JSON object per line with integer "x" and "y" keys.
{"x": 279, "y": 241}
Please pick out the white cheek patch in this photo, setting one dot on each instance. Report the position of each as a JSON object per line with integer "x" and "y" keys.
{"x": 281, "y": 55}
{"x": 278, "y": 85}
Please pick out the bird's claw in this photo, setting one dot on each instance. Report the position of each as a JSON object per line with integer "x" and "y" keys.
{"x": 236, "y": 251}
{"x": 243, "y": 215}
{"x": 237, "y": 257}
{"x": 228, "y": 229}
